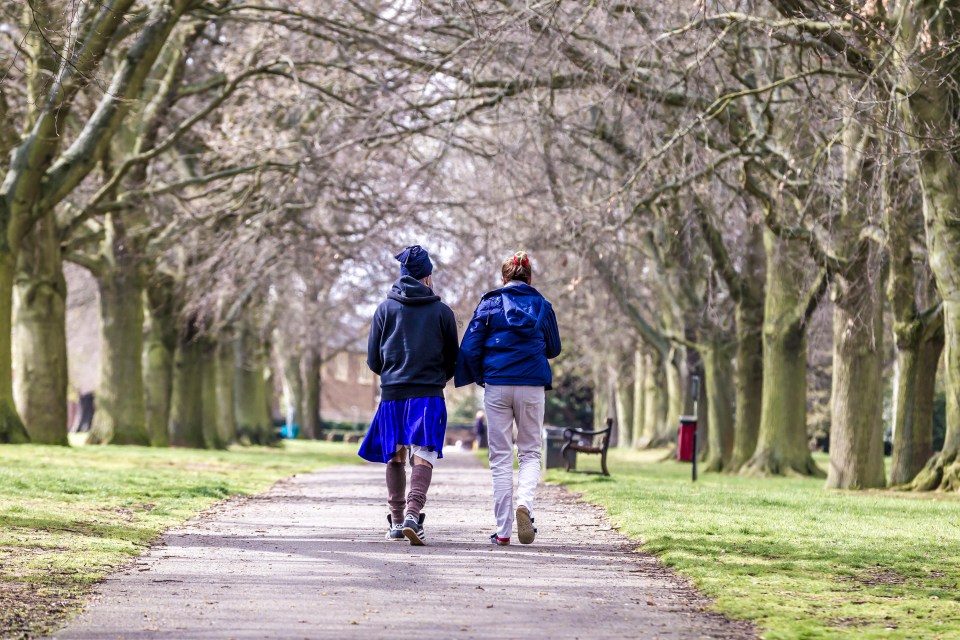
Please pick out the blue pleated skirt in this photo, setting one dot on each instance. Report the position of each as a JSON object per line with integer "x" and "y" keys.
{"x": 420, "y": 421}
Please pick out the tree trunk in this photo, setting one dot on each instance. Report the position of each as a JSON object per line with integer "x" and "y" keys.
{"x": 159, "y": 345}
{"x": 602, "y": 393}
{"x": 656, "y": 404}
{"x": 749, "y": 383}
{"x": 698, "y": 406}
{"x": 186, "y": 401}
{"x": 719, "y": 393}
{"x": 311, "y": 394}
{"x": 856, "y": 402}
{"x": 40, "y": 348}
{"x": 225, "y": 378}
{"x": 651, "y": 401}
{"x": 914, "y": 383}
{"x": 675, "y": 389}
{"x": 930, "y": 116}
{"x": 918, "y": 338}
{"x": 675, "y": 371}
{"x": 942, "y": 471}
{"x": 639, "y": 407}
{"x": 120, "y": 417}
{"x": 782, "y": 440}
{"x": 749, "y": 356}
{"x": 624, "y": 410}
{"x": 856, "y": 399}
{"x": 252, "y": 396}
{"x": 209, "y": 402}
{"x": 12, "y": 430}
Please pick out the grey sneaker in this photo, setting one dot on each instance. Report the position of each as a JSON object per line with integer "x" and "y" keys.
{"x": 497, "y": 540}
{"x": 395, "y": 532}
{"x": 413, "y": 530}
{"x": 525, "y": 529}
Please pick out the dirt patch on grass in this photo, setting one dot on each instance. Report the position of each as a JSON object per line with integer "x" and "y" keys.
{"x": 851, "y": 622}
{"x": 28, "y": 610}
{"x": 875, "y": 578}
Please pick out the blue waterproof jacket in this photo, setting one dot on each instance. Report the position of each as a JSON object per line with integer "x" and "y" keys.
{"x": 509, "y": 340}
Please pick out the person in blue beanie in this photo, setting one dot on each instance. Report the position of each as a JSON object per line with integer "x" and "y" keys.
{"x": 506, "y": 349}
{"x": 413, "y": 348}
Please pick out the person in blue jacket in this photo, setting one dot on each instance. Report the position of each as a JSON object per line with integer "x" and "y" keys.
{"x": 413, "y": 348}
{"x": 506, "y": 349}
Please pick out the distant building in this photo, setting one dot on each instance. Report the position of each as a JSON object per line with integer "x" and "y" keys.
{"x": 349, "y": 391}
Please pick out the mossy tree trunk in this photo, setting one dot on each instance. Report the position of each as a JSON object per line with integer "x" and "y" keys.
{"x": 252, "y": 394}
{"x": 914, "y": 385}
{"x": 748, "y": 382}
{"x": 856, "y": 399}
{"x": 749, "y": 356}
{"x": 782, "y": 440}
{"x": 624, "y": 398}
{"x": 120, "y": 417}
{"x": 209, "y": 402}
{"x": 310, "y": 365}
{"x": 224, "y": 397}
{"x": 942, "y": 471}
{"x": 675, "y": 370}
{"x": 930, "y": 83}
{"x": 12, "y": 430}
{"x": 603, "y": 392}
{"x": 652, "y": 401}
{"x": 40, "y": 347}
{"x": 719, "y": 390}
{"x": 159, "y": 346}
{"x": 917, "y": 336}
{"x": 639, "y": 397}
{"x": 656, "y": 431}
{"x": 186, "y": 427}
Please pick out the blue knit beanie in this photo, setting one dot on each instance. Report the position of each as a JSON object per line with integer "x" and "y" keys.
{"x": 415, "y": 262}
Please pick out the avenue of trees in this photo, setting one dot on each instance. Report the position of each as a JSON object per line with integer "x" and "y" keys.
{"x": 701, "y": 185}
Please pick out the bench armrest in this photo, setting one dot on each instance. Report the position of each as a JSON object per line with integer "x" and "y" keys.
{"x": 569, "y": 432}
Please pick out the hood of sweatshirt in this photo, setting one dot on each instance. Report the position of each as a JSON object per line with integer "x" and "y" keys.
{"x": 408, "y": 290}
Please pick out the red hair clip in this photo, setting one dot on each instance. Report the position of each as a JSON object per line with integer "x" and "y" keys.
{"x": 517, "y": 261}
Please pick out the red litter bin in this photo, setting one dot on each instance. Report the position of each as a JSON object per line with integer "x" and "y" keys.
{"x": 687, "y": 438}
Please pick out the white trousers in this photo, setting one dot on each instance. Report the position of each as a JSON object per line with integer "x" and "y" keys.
{"x": 505, "y": 405}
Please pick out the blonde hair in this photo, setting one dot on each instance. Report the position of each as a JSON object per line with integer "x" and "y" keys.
{"x": 517, "y": 267}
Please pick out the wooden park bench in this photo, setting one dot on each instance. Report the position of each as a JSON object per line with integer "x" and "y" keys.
{"x": 583, "y": 441}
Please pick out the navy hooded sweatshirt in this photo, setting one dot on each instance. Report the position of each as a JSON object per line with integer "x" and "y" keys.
{"x": 510, "y": 338}
{"x": 413, "y": 342}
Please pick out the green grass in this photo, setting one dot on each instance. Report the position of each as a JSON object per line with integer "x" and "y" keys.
{"x": 798, "y": 560}
{"x": 68, "y": 516}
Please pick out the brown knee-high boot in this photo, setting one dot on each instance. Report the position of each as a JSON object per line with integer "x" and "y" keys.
{"x": 396, "y": 489}
{"x": 419, "y": 483}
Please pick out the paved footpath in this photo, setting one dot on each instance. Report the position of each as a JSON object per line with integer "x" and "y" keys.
{"x": 308, "y": 560}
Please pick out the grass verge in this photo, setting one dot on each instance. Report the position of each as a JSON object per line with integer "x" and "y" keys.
{"x": 798, "y": 560}
{"x": 68, "y": 516}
